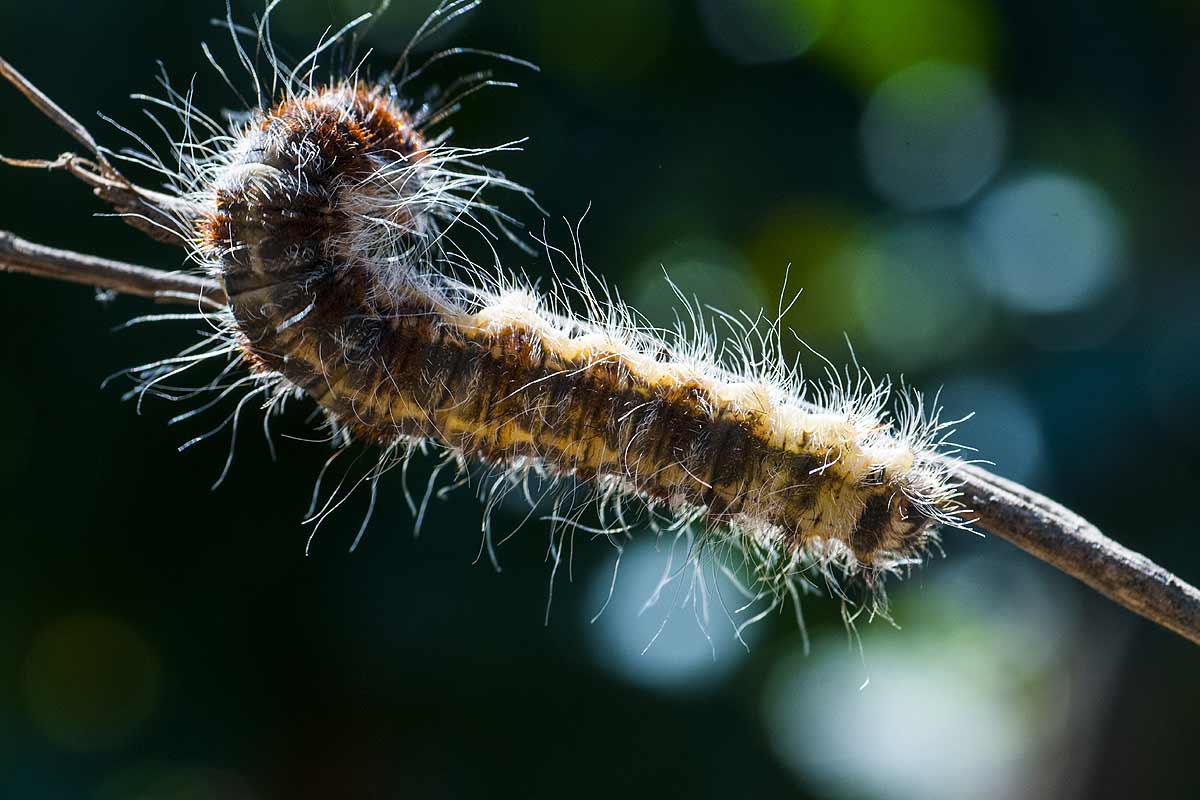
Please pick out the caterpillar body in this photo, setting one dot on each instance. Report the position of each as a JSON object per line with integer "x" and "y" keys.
{"x": 328, "y": 215}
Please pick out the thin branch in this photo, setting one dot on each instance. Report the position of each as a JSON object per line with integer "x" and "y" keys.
{"x": 19, "y": 255}
{"x": 160, "y": 216}
{"x": 1062, "y": 538}
{"x": 52, "y": 110}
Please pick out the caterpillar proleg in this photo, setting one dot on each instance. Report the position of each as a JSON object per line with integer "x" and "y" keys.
{"x": 329, "y": 213}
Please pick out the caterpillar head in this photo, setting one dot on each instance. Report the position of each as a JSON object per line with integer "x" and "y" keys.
{"x": 327, "y": 207}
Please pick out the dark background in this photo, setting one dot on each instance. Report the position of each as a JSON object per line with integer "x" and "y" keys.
{"x": 998, "y": 198}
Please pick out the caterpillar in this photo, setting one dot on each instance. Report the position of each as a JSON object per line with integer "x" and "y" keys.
{"x": 328, "y": 213}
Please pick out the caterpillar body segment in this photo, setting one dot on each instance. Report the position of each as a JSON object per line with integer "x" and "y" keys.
{"x": 327, "y": 228}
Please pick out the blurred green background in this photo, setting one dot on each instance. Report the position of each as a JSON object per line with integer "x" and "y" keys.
{"x": 997, "y": 198}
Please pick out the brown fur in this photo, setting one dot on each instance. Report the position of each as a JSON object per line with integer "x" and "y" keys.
{"x": 395, "y": 370}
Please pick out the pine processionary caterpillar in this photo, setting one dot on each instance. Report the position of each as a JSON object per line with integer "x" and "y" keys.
{"x": 329, "y": 213}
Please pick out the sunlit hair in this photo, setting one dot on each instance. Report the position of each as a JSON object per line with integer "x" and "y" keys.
{"x": 330, "y": 211}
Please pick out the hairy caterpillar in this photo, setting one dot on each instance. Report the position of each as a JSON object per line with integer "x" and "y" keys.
{"x": 328, "y": 213}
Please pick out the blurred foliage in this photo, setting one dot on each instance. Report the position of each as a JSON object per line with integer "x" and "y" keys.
{"x": 161, "y": 640}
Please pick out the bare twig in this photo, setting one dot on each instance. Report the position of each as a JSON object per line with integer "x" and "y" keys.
{"x": 1062, "y": 538}
{"x": 160, "y": 216}
{"x": 18, "y": 255}
{"x": 52, "y": 110}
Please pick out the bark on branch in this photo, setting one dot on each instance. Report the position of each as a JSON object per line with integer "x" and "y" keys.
{"x": 1062, "y": 538}
{"x": 19, "y": 255}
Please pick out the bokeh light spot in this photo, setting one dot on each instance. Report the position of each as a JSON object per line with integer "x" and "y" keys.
{"x": 702, "y": 269}
{"x": 1048, "y": 242}
{"x": 916, "y": 300}
{"x": 871, "y": 40}
{"x": 90, "y": 681}
{"x": 693, "y": 638}
{"x": 610, "y": 42}
{"x": 956, "y": 708}
{"x": 803, "y": 242}
{"x": 764, "y": 31}
{"x": 932, "y": 136}
{"x": 1005, "y": 428}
